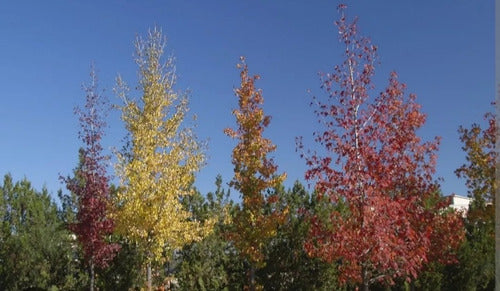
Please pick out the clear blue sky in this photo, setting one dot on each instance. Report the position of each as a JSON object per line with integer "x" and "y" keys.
{"x": 443, "y": 50}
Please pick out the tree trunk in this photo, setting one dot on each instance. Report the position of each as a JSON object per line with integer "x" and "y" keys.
{"x": 366, "y": 280}
{"x": 92, "y": 275}
{"x": 148, "y": 275}
{"x": 252, "y": 278}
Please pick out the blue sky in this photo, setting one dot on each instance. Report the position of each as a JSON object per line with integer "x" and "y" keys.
{"x": 443, "y": 50}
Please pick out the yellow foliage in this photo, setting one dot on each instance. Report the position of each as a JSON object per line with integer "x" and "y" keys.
{"x": 162, "y": 158}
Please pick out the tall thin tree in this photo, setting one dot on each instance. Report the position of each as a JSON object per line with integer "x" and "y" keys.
{"x": 159, "y": 167}
{"x": 91, "y": 183}
{"x": 254, "y": 174}
{"x": 477, "y": 259}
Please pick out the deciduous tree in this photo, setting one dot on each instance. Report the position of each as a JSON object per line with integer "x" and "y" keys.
{"x": 254, "y": 174}
{"x": 479, "y": 171}
{"x": 375, "y": 171}
{"x": 477, "y": 257}
{"x": 160, "y": 164}
{"x": 90, "y": 184}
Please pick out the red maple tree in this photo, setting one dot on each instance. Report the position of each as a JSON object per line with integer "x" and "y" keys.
{"x": 90, "y": 184}
{"x": 375, "y": 172}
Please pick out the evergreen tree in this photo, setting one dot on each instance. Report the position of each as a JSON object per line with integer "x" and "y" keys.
{"x": 212, "y": 263}
{"x": 288, "y": 266}
{"x": 35, "y": 248}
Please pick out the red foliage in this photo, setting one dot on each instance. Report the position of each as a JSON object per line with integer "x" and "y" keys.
{"x": 447, "y": 234}
{"x": 377, "y": 173}
{"x": 90, "y": 183}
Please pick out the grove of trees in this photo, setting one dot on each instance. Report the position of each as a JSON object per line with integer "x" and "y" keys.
{"x": 374, "y": 219}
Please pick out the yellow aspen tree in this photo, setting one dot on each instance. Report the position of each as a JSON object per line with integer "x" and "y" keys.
{"x": 158, "y": 166}
{"x": 254, "y": 175}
